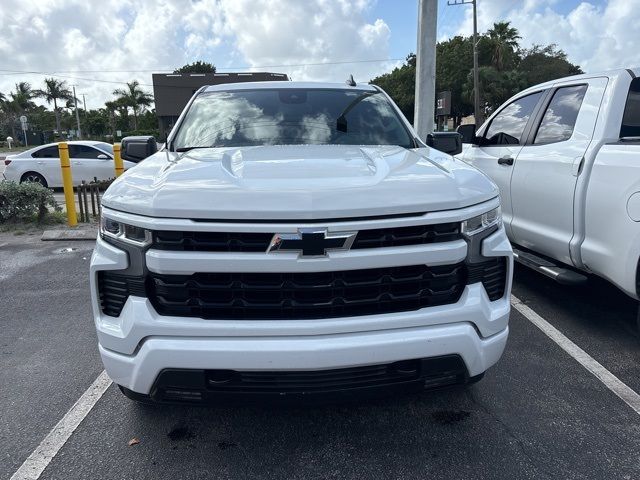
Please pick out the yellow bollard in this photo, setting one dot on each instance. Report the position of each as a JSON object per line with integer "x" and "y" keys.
{"x": 67, "y": 182}
{"x": 117, "y": 159}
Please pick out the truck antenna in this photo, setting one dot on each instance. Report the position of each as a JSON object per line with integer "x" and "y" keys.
{"x": 350, "y": 81}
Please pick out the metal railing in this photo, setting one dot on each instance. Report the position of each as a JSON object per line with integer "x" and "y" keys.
{"x": 89, "y": 195}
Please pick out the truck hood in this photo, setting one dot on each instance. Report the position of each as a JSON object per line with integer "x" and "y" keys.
{"x": 301, "y": 182}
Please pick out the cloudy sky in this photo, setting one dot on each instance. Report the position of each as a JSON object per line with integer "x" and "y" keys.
{"x": 99, "y": 45}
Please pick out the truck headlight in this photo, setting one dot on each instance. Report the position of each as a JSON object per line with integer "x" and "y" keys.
{"x": 475, "y": 225}
{"x": 122, "y": 232}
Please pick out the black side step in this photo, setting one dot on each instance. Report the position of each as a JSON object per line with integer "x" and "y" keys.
{"x": 562, "y": 275}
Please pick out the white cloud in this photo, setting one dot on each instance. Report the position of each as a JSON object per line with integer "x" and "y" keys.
{"x": 75, "y": 38}
{"x": 596, "y": 37}
{"x": 312, "y": 31}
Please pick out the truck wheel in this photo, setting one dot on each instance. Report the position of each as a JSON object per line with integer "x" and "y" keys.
{"x": 33, "y": 177}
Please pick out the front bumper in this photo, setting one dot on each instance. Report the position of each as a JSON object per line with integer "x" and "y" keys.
{"x": 139, "y": 344}
{"x": 139, "y": 371}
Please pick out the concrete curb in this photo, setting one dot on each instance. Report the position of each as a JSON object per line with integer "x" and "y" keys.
{"x": 70, "y": 234}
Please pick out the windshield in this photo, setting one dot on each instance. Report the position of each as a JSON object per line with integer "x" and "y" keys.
{"x": 291, "y": 116}
{"x": 105, "y": 147}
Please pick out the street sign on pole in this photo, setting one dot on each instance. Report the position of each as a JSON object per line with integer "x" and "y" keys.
{"x": 23, "y": 124}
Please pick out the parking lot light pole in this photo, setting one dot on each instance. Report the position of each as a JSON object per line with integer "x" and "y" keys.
{"x": 75, "y": 102}
{"x": 117, "y": 159}
{"x": 425, "y": 89}
{"x": 67, "y": 183}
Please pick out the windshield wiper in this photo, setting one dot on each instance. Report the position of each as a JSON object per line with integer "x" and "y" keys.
{"x": 341, "y": 122}
{"x": 186, "y": 149}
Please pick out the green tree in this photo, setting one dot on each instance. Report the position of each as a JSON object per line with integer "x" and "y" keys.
{"x": 55, "y": 90}
{"x": 541, "y": 64}
{"x": 133, "y": 96}
{"x": 454, "y": 63}
{"x": 505, "y": 69}
{"x": 197, "y": 67}
{"x": 505, "y": 43}
{"x": 20, "y": 101}
{"x": 400, "y": 85}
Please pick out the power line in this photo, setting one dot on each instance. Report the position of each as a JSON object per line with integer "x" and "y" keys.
{"x": 169, "y": 69}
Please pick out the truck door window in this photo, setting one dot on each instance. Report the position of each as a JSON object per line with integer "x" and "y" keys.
{"x": 631, "y": 117}
{"x": 560, "y": 117}
{"x": 508, "y": 126}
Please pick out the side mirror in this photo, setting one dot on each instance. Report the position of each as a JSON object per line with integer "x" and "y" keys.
{"x": 136, "y": 149}
{"x": 468, "y": 133}
{"x": 447, "y": 142}
{"x": 102, "y": 156}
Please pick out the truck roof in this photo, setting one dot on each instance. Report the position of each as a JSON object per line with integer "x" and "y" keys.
{"x": 634, "y": 72}
{"x": 281, "y": 85}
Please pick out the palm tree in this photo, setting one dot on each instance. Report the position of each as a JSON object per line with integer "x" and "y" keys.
{"x": 134, "y": 97}
{"x": 55, "y": 90}
{"x": 19, "y": 103}
{"x": 111, "y": 108}
{"x": 505, "y": 39}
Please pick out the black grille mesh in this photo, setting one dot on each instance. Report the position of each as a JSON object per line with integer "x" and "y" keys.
{"x": 302, "y": 295}
{"x": 493, "y": 275}
{"x": 305, "y": 295}
{"x": 259, "y": 242}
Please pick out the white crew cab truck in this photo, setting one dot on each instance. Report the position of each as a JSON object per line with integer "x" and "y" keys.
{"x": 566, "y": 157}
{"x": 298, "y": 239}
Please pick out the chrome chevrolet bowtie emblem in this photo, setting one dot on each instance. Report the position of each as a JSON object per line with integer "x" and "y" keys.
{"x": 311, "y": 242}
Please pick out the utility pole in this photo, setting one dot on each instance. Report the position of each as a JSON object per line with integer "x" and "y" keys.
{"x": 424, "y": 110}
{"x": 477, "y": 112}
{"x": 75, "y": 102}
{"x": 84, "y": 102}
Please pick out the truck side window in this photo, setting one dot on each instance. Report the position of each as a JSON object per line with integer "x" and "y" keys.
{"x": 561, "y": 114}
{"x": 631, "y": 117}
{"x": 507, "y": 127}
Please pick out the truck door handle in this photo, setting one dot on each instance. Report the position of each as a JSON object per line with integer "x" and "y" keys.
{"x": 506, "y": 160}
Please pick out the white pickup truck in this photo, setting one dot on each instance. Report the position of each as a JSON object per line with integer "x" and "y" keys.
{"x": 297, "y": 240}
{"x": 566, "y": 158}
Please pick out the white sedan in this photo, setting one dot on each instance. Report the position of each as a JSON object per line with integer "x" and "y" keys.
{"x": 89, "y": 160}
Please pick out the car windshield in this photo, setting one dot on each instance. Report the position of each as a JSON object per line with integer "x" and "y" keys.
{"x": 105, "y": 147}
{"x": 291, "y": 116}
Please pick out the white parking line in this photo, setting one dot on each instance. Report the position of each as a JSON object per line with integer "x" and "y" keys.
{"x": 613, "y": 383}
{"x": 33, "y": 466}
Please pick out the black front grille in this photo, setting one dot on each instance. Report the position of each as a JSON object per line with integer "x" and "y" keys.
{"x": 259, "y": 242}
{"x": 212, "y": 241}
{"x": 401, "y": 236}
{"x": 305, "y": 295}
{"x": 302, "y": 295}
{"x": 115, "y": 288}
{"x": 189, "y": 385}
{"x": 309, "y": 381}
{"x": 493, "y": 275}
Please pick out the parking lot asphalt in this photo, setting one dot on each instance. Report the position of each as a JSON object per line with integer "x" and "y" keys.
{"x": 537, "y": 414}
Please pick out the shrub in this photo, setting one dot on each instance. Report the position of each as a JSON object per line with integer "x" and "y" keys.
{"x": 25, "y": 201}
